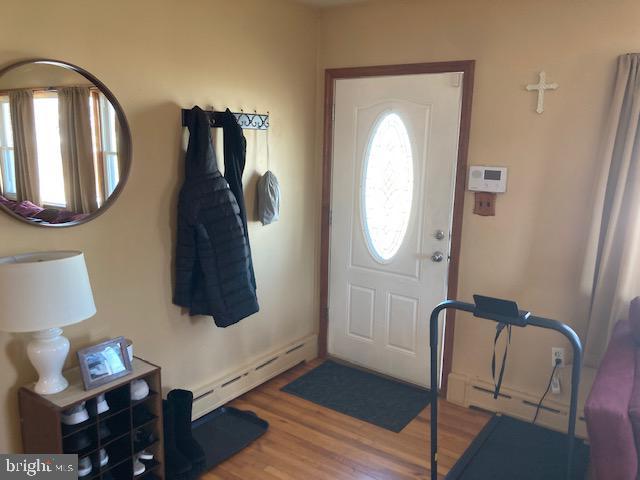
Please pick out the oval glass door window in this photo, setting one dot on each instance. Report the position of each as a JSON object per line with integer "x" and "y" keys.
{"x": 387, "y": 191}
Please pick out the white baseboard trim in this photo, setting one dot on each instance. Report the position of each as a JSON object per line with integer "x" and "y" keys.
{"x": 214, "y": 393}
{"x": 473, "y": 392}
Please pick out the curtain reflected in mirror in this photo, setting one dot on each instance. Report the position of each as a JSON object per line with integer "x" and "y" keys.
{"x": 63, "y": 149}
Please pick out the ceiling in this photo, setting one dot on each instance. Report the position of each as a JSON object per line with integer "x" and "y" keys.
{"x": 328, "y": 3}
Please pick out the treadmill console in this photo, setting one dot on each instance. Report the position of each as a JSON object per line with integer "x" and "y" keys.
{"x": 502, "y": 311}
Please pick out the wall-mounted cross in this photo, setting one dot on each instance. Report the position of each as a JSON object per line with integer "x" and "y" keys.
{"x": 541, "y": 86}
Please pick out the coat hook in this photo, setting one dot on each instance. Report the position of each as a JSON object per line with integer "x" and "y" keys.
{"x": 250, "y": 120}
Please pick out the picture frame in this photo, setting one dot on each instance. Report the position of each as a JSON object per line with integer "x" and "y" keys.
{"x": 104, "y": 362}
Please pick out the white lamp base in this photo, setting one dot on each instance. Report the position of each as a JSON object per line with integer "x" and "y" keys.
{"x": 47, "y": 351}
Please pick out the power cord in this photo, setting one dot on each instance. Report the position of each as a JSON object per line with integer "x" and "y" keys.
{"x": 553, "y": 372}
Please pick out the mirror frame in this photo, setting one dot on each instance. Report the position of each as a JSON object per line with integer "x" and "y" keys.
{"x": 126, "y": 135}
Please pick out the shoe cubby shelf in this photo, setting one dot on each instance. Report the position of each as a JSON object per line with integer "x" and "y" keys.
{"x": 127, "y": 428}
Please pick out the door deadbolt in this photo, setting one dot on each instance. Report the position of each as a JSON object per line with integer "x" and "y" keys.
{"x": 439, "y": 234}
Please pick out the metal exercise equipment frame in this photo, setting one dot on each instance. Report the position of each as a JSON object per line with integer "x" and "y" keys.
{"x": 507, "y": 312}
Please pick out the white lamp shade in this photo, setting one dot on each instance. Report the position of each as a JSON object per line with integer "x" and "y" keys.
{"x": 44, "y": 290}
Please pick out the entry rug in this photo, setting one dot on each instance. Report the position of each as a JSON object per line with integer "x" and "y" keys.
{"x": 362, "y": 395}
{"x": 510, "y": 449}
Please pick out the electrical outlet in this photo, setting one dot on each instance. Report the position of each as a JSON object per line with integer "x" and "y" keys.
{"x": 557, "y": 353}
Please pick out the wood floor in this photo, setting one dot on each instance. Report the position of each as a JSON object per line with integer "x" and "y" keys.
{"x": 307, "y": 442}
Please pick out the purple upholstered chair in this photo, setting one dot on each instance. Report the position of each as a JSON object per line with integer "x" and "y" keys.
{"x": 612, "y": 409}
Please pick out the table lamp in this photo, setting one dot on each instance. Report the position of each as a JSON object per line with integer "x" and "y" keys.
{"x": 40, "y": 293}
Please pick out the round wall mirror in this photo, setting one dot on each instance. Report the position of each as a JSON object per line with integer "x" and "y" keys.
{"x": 65, "y": 144}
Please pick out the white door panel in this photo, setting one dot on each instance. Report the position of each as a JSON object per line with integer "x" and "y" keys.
{"x": 394, "y": 159}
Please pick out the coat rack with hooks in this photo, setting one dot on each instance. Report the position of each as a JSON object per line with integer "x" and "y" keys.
{"x": 248, "y": 121}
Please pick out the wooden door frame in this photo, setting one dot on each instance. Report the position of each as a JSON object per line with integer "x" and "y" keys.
{"x": 333, "y": 74}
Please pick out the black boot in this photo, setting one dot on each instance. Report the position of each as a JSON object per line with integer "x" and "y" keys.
{"x": 177, "y": 467}
{"x": 182, "y": 403}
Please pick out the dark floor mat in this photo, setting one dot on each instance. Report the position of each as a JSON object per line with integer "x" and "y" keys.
{"x": 362, "y": 395}
{"x": 510, "y": 449}
{"x": 226, "y": 431}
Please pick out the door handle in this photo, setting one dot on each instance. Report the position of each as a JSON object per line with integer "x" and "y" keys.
{"x": 437, "y": 257}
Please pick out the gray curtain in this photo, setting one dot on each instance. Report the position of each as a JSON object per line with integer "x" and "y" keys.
{"x": 25, "y": 145}
{"x": 77, "y": 149}
{"x": 122, "y": 149}
{"x": 614, "y": 255}
{"x": 1, "y": 184}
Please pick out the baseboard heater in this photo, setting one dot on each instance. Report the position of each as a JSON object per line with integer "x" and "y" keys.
{"x": 492, "y": 393}
{"x": 553, "y": 415}
{"x": 221, "y": 390}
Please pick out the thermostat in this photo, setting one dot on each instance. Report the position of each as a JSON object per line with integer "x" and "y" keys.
{"x": 488, "y": 179}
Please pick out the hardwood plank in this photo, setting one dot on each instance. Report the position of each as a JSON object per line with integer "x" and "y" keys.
{"x": 310, "y": 442}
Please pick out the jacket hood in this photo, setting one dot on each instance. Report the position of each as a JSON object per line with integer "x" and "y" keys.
{"x": 201, "y": 157}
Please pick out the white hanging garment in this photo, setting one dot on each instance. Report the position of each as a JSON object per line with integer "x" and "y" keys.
{"x": 268, "y": 198}
{"x": 268, "y": 194}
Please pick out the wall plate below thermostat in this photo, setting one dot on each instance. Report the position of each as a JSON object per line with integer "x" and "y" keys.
{"x": 487, "y": 179}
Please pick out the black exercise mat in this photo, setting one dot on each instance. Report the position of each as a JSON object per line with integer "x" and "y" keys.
{"x": 510, "y": 449}
{"x": 362, "y": 395}
{"x": 225, "y": 431}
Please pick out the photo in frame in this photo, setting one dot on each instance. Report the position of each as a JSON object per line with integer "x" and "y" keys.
{"x": 103, "y": 363}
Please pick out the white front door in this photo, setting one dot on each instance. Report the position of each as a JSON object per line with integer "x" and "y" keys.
{"x": 395, "y": 150}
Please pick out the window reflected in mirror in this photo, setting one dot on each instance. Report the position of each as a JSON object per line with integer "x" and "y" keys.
{"x": 7, "y": 161}
{"x": 63, "y": 149}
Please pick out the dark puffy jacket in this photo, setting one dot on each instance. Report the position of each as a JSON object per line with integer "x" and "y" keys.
{"x": 214, "y": 270}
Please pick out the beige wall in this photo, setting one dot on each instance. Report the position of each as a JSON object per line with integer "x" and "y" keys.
{"x": 532, "y": 250}
{"x": 259, "y": 54}
{"x": 157, "y": 57}
{"x": 40, "y": 76}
